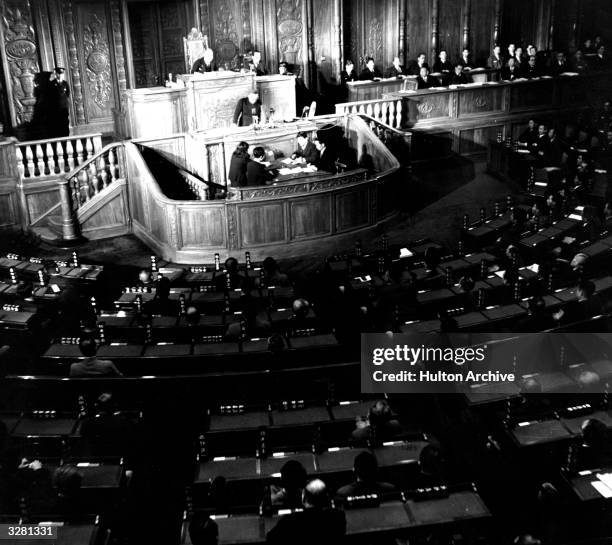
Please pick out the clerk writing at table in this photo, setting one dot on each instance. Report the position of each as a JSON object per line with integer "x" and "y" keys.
{"x": 306, "y": 150}
{"x": 248, "y": 110}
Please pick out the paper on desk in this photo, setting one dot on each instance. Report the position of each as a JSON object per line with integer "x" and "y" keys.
{"x": 284, "y": 171}
{"x": 522, "y": 151}
{"x": 600, "y": 171}
{"x": 287, "y": 161}
{"x": 602, "y": 489}
{"x": 606, "y": 478}
{"x": 569, "y": 74}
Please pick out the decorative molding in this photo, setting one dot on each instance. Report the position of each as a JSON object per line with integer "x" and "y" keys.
{"x": 97, "y": 61}
{"x": 425, "y": 107}
{"x": 434, "y": 29}
{"x": 21, "y": 57}
{"x": 305, "y": 187}
{"x": 226, "y": 35}
{"x": 401, "y": 35}
{"x": 75, "y": 71}
{"x": 467, "y": 11}
{"x": 204, "y": 17}
{"x": 246, "y": 26}
{"x": 232, "y": 226}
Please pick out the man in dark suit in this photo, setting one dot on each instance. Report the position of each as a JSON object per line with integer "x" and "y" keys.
{"x": 600, "y": 61}
{"x": 559, "y": 65}
{"x": 370, "y": 72}
{"x": 256, "y": 65}
{"x": 256, "y": 173}
{"x": 458, "y": 77}
{"x": 326, "y": 160}
{"x": 92, "y": 366}
{"x": 465, "y": 60}
{"x": 510, "y": 72}
{"x": 365, "y": 469}
{"x": 317, "y": 523}
{"x": 425, "y": 81}
{"x": 248, "y": 109}
{"x": 530, "y": 135}
{"x": 59, "y": 122}
{"x": 531, "y": 69}
{"x": 238, "y": 165}
{"x": 582, "y": 308}
{"x": 205, "y": 63}
{"x": 496, "y": 61}
{"x": 443, "y": 65}
{"x": 396, "y": 70}
{"x": 553, "y": 151}
{"x": 306, "y": 149}
{"x": 415, "y": 68}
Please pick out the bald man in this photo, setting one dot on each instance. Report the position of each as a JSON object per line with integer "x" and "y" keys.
{"x": 317, "y": 523}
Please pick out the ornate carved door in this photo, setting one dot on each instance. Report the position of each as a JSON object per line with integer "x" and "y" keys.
{"x": 157, "y": 30}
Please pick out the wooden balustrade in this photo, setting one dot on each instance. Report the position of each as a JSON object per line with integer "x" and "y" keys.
{"x": 40, "y": 158}
{"x": 95, "y": 174}
{"x": 198, "y": 188}
{"x": 389, "y": 112}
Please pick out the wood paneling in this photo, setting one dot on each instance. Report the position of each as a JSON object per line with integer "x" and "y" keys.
{"x": 352, "y": 209}
{"x": 40, "y": 202}
{"x": 261, "y": 224}
{"x": 481, "y": 101}
{"x": 477, "y": 139}
{"x": 450, "y": 27}
{"x": 310, "y": 217}
{"x": 8, "y": 214}
{"x": 202, "y": 227}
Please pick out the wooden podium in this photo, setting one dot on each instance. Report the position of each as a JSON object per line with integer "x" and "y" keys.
{"x": 203, "y": 101}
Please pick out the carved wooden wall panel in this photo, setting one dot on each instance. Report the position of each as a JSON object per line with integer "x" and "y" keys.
{"x": 227, "y": 32}
{"x": 20, "y": 58}
{"x": 95, "y": 60}
{"x": 450, "y": 27}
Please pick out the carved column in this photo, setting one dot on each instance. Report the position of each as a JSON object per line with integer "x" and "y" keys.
{"x": 551, "y": 26}
{"x": 69, "y": 226}
{"x": 575, "y": 35}
{"x": 75, "y": 71}
{"x": 434, "y": 30}
{"x": 19, "y": 54}
{"x": 129, "y": 57}
{"x": 121, "y": 111}
{"x": 401, "y": 42}
{"x": 339, "y": 53}
{"x": 467, "y": 10}
{"x": 496, "y": 23}
{"x": 312, "y": 60}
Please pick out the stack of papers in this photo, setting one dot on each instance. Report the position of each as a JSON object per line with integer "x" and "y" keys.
{"x": 604, "y": 484}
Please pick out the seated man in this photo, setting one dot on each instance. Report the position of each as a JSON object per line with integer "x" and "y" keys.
{"x": 530, "y": 135}
{"x": 292, "y": 482}
{"x": 237, "y": 280}
{"x": 326, "y": 160}
{"x": 365, "y": 469}
{"x": 396, "y": 70}
{"x": 582, "y": 308}
{"x": 92, "y": 366}
{"x": 465, "y": 60}
{"x": 306, "y": 150}
{"x": 458, "y": 77}
{"x": 248, "y": 109}
{"x": 531, "y": 69}
{"x": 415, "y": 68}
{"x": 496, "y": 61}
{"x": 256, "y": 65}
{"x": 443, "y": 65}
{"x": 370, "y": 72}
{"x": 205, "y": 63}
{"x": 425, "y": 81}
{"x": 317, "y": 523}
{"x": 256, "y": 173}
{"x": 558, "y": 65}
{"x": 510, "y": 72}
{"x": 283, "y": 69}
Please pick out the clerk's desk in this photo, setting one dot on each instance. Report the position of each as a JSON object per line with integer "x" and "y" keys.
{"x": 203, "y": 101}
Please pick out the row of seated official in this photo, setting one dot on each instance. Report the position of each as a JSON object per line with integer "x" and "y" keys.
{"x": 311, "y": 155}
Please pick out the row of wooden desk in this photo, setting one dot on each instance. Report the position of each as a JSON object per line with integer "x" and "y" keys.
{"x": 395, "y": 517}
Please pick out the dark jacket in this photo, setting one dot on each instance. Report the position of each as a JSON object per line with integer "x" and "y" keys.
{"x": 367, "y": 74}
{"x": 440, "y": 66}
{"x": 243, "y": 114}
{"x": 393, "y": 72}
{"x": 326, "y": 160}
{"x": 201, "y": 66}
{"x": 238, "y": 169}
{"x": 414, "y": 69}
{"x": 431, "y": 82}
{"x": 460, "y": 79}
{"x": 345, "y": 76}
{"x": 309, "y": 153}
{"x": 256, "y": 174}
{"x": 309, "y": 527}
{"x": 510, "y": 75}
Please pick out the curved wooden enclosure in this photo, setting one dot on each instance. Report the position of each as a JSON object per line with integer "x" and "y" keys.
{"x": 312, "y": 214}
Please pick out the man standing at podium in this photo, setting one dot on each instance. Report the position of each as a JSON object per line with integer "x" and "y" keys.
{"x": 248, "y": 110}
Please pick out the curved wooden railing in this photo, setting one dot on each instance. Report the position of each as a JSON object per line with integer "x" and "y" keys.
{"x": 397, "y": 141}
{"x": 389, "y": 112}
{"x": 40, "y": 158}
